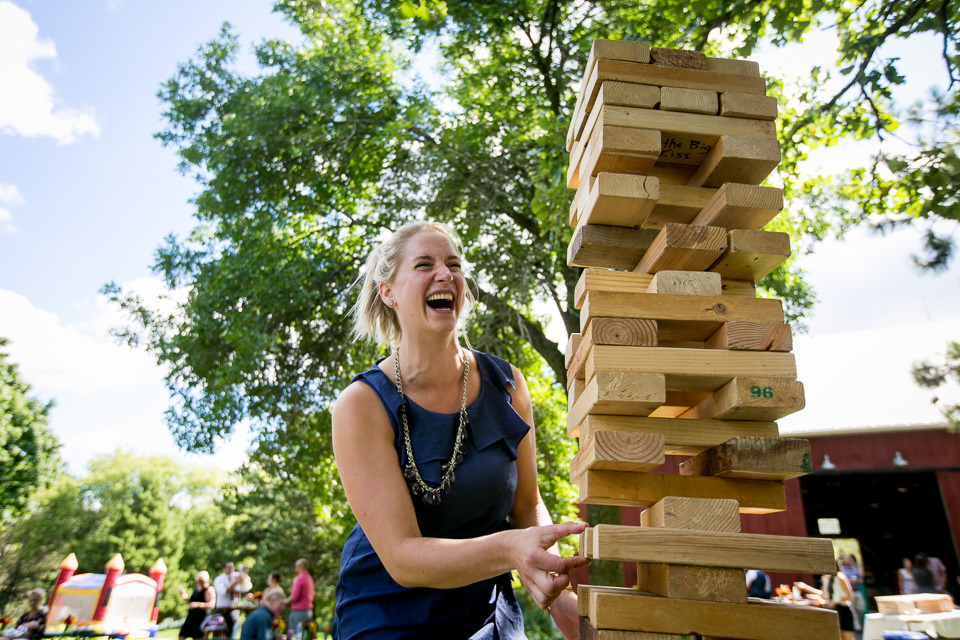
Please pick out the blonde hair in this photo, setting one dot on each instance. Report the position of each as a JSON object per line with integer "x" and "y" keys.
{"x": 372, "y": 318}
{"x": 37, "y": 593}
{"x": 202, "y": 574}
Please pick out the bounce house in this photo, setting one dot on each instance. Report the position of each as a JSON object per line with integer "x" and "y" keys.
{"x": 111, "y": 603}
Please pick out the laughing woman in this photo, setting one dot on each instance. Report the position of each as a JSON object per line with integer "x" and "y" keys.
{"x": 436, "y": 450}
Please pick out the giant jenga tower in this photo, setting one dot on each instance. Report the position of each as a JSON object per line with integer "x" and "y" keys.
{"x": 676, "y": 354}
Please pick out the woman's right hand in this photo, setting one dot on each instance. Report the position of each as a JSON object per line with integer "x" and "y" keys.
{"x": 544, "y": 574}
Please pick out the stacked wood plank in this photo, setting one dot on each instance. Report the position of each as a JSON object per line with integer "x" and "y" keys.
{"x": 676, "y": 354}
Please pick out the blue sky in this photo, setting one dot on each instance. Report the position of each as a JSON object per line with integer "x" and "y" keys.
{"x": 87, "y": 194}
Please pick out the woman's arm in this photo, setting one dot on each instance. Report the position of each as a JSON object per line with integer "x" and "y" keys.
{"x": 378, "y": 494}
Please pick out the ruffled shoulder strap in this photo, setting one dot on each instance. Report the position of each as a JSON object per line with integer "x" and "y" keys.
{"x": 494, "y": 419}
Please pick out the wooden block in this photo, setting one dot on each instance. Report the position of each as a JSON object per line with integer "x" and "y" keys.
{"x": 751, "y": 255}
{"x": 624, "y": 94}
{"x": 608, "y": 247}
{"x": 628, "y": 609}
{"x": 682, "y": 247}
{"x": 741, "y": 206}
{"x": 736, "y": 67}
{"x": 620, "y": 451}
{"x": 766, "y": 458}
{"x": 678, "y": 203}
{"x": 620, "y": 200}
{"x": 789, "y": 554}
{"x": 625, "y": 50}
{"x": 752, "y": 336}
{"x": 691, "y": 315}
{"x": 694, "y": 514}
{"x": 617, "y": 150}
{"x": 573, "y": 344}
{"x": 643, "y": 489}
{"x": 738, "y": 158}
{"x": 681, "y": 437}
{"x": 689, "y": 100}
{"x": 691, "y": 369}
{"x": 691, "y": 582}
{"x": 589, "y": 632}
{"x": 662, "y": 76}
{"x": 610, "y": 331}
{"x": 624, "y": 394}
{"x": 681, "y": 133}
{"x": 751, "y": 399}
{"x": 627, "y": 282}
{"x": 680, "y": 58}
{"x": 686, "y": 283}
{"x": 746, "y": 105}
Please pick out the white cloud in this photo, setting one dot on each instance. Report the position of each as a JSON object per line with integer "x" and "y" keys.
{"x": 9, "y": 196}
{"x": 28, "y": 104}
{"x": 106, "y": 396}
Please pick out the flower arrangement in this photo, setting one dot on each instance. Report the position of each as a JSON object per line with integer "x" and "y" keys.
{"x": 279, "y": 626}
{"x": 4, "y": 621}
{"x": 309, "y": 630}
{"x": 69, "y": 620}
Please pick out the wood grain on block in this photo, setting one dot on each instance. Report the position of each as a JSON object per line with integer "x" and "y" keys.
{"x": 734, "y": 66}
{"x": 691, "y": 582}
{"x": 695, "y": 514}
{"x": 678, "y": 174}
{"x": 634, "y": 332}
{"x": 623, "y": 394}
{"x": 663, "y": 76}
{"x": 789, "y": 554}
{"x": 627, "y": 609}
{"x": 624, "y": 94}
{"x": 746, "y": 105}
{"x": 579, "y": 200}
{"x": 738, "y": 158}
{"x": 741, "y": 206}
{"x": 620, "y": 200}
{"x": 618, "y": 150}
{"x": 710, "y": 312}
{"x": 689, "y": 100}
{"x": 752, "y": 336}
{"x": 681, "y": 437}
{"x": 692, "y": 134}
{"x": 686, "y": 283}
{"x": 573, "y": 344}
{"x": 691, "y": 369}
{"x": 589, "y": 632}
{"x": 751, "y": 398}
{"x": 625, "y": 50}
{"x": 760, "y": 458}
{"x": 620, "y": 451}
{"x": 680, "y": 58}
{"x": 605, "y": 247}
{"x": 751, "y": 255}
{"x": 623, "y": 488}
{"x": 683, "y": 247}
{"x": 628, "y": 282}
{"x": 679, "y": 203}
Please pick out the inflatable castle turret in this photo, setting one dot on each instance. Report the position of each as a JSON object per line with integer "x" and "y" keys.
{"x": 109, "y": 602}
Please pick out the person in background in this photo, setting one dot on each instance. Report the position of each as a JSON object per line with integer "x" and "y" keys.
{"x": 905, "y": 581}
{"x": 33, "y": 623}
{"x": 758, "y": 584}
{"x": 222, "y": 585}
{"x": 259, "y": 624}
{"x": 201, "y": 602}
{"x": 923, "y": 574}
{"x": 273, "y": 584}
{"x": 849, "y": 567}
{"x": 939, "y": 574}
{"x": 836, "y": 594}
{"x": 301, "y": 598}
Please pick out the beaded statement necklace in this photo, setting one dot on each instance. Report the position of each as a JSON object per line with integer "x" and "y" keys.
{"x": 432, "y": 495}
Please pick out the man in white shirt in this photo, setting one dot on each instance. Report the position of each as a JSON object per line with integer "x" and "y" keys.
{"x": 222, "y": 584}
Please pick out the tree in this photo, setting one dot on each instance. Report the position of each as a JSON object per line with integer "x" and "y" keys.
{"x": 141, "y": 507}
{"x": 29, "y": 458}
{"x": 932, "y": 376}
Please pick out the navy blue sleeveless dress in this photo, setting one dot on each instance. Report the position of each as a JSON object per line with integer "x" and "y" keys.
{"x": 370, "y": 604}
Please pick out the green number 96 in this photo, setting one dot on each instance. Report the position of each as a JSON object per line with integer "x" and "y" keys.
{"x": 757, "y": 392}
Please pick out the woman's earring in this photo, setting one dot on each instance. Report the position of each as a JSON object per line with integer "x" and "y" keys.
{"x": 389, "y": 303}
